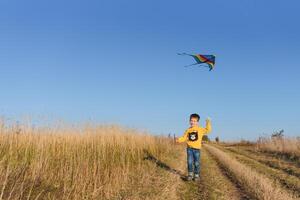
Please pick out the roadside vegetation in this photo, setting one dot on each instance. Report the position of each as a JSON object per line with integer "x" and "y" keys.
{"x": 111, "y": 162}
{"x": 91, "y": 162}
{"x": 288, "y": 148}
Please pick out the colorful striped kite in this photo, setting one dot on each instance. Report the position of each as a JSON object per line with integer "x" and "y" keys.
{"x": 209, "y": 60}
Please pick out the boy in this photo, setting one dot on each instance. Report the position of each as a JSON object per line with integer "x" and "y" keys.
{"x": 193, "y": 136}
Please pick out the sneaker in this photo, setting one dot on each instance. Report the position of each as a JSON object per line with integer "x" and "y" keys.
{"x": 196, "y": 177}
{"x": 189, "y": 177}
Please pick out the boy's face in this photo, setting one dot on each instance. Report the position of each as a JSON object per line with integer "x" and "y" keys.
{"x": 194, "y": 122}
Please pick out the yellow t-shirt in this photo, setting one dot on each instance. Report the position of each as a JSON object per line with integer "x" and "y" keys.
{"x": 193, "y": 135}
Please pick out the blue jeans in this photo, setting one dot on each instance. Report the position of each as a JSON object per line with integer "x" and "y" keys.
{"x": 193, "y": 160}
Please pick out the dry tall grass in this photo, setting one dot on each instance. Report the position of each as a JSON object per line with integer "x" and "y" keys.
{"x": 75, "y": 163}
{"x": 254, "y": 183}
{"x": 289, "y": 146}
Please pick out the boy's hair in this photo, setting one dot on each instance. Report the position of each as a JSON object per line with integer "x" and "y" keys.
{"x": 195, "y": 115}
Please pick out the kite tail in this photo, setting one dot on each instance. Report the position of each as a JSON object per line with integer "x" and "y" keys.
{"x": 184, "y": 54}
{"x": 201, "y": 65}
{"x": 191, "y": 65}
{"x": 210, "y": 68}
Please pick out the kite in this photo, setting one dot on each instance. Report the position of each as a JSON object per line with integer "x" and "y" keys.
{"x": 208, "y": 60}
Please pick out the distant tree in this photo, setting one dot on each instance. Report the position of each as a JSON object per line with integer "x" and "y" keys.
{"x": 278, "y": 134}
{"x": 217, "y": 139}
{"x": 205, "y": 138}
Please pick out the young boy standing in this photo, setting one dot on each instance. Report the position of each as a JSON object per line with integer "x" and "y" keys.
{"x": 193, "y": 137}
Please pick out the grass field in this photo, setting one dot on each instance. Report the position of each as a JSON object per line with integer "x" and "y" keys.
{"x": 109, "y": 162}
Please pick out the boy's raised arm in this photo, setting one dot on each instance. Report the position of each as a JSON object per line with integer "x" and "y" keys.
{"x": 208, "y": 126}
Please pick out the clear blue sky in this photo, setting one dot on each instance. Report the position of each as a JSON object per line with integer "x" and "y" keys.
{"x": 115, "y": 62}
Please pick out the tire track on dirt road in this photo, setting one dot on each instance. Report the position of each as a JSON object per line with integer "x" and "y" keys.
{"x": 257, "y": 185}
{"x": 289, "y": 182}
{"x": 275, "y": 163}
{"x": 216, "y": 182}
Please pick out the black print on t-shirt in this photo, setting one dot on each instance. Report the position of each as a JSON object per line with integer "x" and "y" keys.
{"x": 193, "y": 136}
